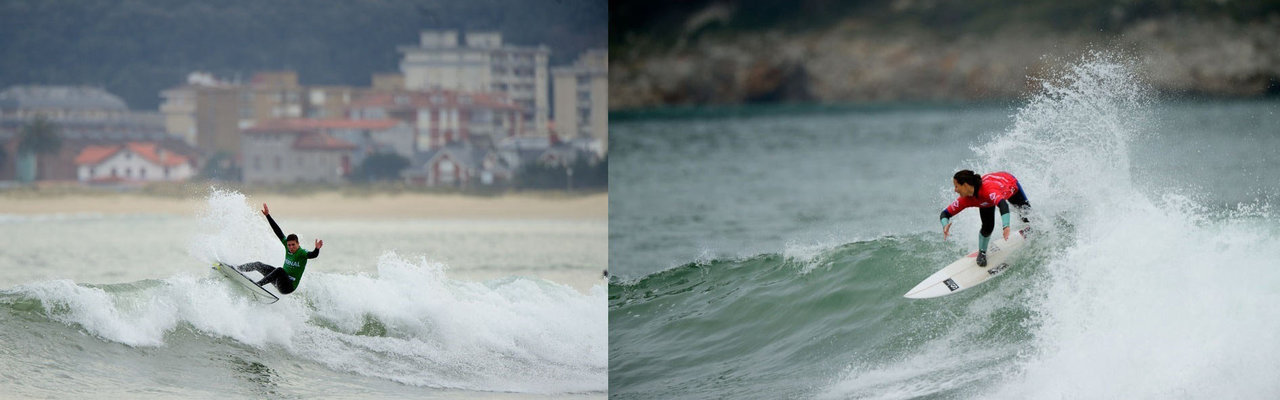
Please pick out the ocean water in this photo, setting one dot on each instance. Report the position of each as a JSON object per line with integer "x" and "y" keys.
{"x": 762, "y": 252}
{"x": 100, "y": 306}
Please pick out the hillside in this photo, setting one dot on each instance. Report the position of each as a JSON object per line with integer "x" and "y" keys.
{"x": 137, "y": 48}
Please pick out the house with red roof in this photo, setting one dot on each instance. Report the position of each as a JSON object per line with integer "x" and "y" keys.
{"x": 131, "y": 162}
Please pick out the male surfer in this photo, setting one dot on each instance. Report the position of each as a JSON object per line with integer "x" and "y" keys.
{"x": 997, "y": 189}
{"x": 295, "y": 260}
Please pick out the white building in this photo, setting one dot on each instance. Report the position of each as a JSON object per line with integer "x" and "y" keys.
{"x": 582, "y": 97}
{"x": 481, "y": 64}
{"x": 131, "y": 162}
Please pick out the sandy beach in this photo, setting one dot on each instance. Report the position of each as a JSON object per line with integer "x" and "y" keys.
{"x": 330, "y": 204}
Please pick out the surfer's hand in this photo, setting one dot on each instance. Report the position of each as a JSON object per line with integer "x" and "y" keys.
{"x": 946, "y": 231}
{"x": 1006, "y": 233}
{"x": 265, "y": 211}
{"x": 319, "y": 244}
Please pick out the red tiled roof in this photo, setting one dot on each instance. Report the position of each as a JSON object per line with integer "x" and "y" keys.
{"x": 95, "y": 154}
{"x": 321, "y": 141}
{"x": 146, "y": 150}
{"x": 445, "y": 98}
{"x": 308, "y": 124}
{"x": 152, "y": 151}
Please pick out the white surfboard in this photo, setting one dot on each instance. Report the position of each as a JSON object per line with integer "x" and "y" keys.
{"x": 259, "y": 293}
{"x": 965, "y": 272}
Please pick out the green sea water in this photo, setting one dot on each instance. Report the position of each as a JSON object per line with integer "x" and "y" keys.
{"x": 763, "y": 252}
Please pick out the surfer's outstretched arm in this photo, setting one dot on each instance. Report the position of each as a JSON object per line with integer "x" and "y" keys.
{"x": 316, "y": 253}
{"x": 274, "y": 228}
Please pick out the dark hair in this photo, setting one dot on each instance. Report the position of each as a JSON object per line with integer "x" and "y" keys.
{"x": 291, "y": 238}
{"x": 970, "y": 178}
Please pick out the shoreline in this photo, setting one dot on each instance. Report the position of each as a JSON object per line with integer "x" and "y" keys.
{"x": 326, "y": 204}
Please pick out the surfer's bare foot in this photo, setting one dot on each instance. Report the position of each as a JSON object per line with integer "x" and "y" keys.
{"x": 982, "y": 258}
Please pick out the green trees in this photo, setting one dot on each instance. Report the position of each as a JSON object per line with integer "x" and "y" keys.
{"x": 36, "y": 138}
{"x": 135, "y": 49}
{"x": 583, "y": 174}
{"x": 380, "y": 167}
{"x": 221, "y": 167}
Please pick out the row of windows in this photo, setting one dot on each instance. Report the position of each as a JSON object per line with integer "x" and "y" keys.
{"x": 277, "y": 162}
{"x": 288, "y": 96}
{"x": 501, "y": 58}
{"x": 435, "y": 99}
{"x": 128, "y": 172}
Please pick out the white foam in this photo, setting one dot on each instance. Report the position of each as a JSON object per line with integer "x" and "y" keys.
{"x": 509, "y": 334}
{"x": 1151, "y": 298}
{"x": 409, "y": 323}
{"x": 1149, "y": 295}
{"x": 232, "y": 231}
{"x": 513, "y": 334}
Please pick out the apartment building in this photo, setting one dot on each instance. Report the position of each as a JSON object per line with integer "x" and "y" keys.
{"x": 441, "y": 117}
{"x": 205, "y": 113}
{"x": 317, "y": 150}
{"x": 581, "y": 95}
{"x": 480, "y": 62}
{"x": 210, "y": 113}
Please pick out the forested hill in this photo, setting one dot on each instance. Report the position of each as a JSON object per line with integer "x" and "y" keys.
{"x": 136, "y": 48}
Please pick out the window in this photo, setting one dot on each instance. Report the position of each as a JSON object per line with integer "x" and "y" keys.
{"x": 446, "y": 171}
{"x": 142, "y": 173}
{"x": 257, "y": 163}
{"x": 277, "y": 163}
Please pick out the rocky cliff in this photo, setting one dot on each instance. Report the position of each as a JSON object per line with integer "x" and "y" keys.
{"x": 849, "y": 62}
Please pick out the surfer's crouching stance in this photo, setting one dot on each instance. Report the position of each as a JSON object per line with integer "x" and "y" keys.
{"x": 295, "y": 260}
{"x": 997, "y": 189}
